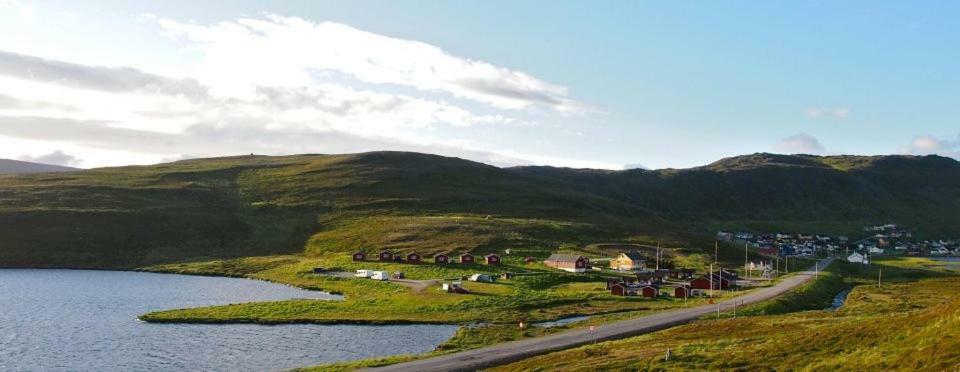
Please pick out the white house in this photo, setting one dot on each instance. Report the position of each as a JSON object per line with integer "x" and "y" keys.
{"x": 875, "y": 250}
{"x": 856, "y": 257}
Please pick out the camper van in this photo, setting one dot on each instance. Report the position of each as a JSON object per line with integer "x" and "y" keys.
{"x": 363, "y": 274}
{"x": 380, "y": 275}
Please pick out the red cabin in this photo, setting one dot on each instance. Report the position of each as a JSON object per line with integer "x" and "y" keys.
{"x": 650, "y": 291}
{"x": 618, "y": 290}
{"x": 681, "y": 292}
{"x": 493, "y": 259}
{"x": 441, "y": 259}
{"x": 359, "y": 256}
{"x": 414, "y": 257}
{"x": 466, "y": 258}
{"x": 386, "y": 256}
{"x": 700, "y": 283}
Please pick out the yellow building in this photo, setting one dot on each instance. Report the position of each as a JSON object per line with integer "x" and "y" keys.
{"x": 631, "y": 260}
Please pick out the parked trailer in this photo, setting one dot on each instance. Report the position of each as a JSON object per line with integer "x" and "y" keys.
{"x": 380, "y": 275}
{"x": 363, "y": 273}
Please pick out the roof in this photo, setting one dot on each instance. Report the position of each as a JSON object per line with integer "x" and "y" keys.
{"x": 633, "y": 255}
{"x": 492, "y": 254}
{"x": 564, "y": 257}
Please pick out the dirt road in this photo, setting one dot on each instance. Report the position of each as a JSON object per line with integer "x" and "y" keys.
{"x": 513, "y": 351}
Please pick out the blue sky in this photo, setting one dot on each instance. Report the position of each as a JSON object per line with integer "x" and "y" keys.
{"x": 584, "y": 84}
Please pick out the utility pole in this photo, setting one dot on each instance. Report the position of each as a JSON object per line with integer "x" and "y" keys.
{"x": 716, "y": 251}
{"x": 746, "y": 266}
{"x": 816, "y": 268}
{"x": 711, "y": 280}
{"x": 658, "y": 255}
{"x": 879, "y": 278}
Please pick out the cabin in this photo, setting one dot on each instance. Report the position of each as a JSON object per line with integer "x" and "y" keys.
{"x": 573, "y": 263}
{"x": 702, "y": 283}
{"x": 618, "y": 289}
{"x": 856, "y": 257}
{"x": 681, "y": 292}
{"x": 682, "y": 273}
{"x": 414, "y": 257}
{"x": 466, "y": 258}
{"x": 359, "y": 256}
{"x": 627, "y": 261}
{"x": 650, "y": 291}
{"x": 386, "y": 256}
{"x": 612, "y": 282}
{"x": 441, "y": 259}
{"x": 492, "y": 259}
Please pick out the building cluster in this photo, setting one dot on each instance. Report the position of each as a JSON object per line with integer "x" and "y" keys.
{"x": 439, "y": 259}
{"x": 787, "y": 245}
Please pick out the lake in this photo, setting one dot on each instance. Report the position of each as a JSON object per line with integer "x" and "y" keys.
{"x": 86, "y": 320}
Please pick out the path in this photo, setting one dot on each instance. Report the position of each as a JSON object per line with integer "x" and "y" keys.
{"x": 471, "y": 360}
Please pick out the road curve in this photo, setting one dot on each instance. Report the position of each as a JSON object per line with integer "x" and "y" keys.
{"x": 500, "y": 354}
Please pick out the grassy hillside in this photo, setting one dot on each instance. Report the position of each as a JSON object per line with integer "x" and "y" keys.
{"x": 257, "y": 205}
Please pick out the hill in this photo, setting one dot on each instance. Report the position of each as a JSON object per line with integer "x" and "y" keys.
{"x": 259, "y": 205}
{"x": 8, "y": 166}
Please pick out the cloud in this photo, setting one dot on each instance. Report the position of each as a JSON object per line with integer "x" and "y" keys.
{"x": 930, "y": 145}
{"x": 799, "y": 144}
{"x": 276, "y": 85}
{"x": 287, "y": 51}
{"x": 110, "y": 79}
{"x": 837, "y": 113}
{"x": 56, "y": 158}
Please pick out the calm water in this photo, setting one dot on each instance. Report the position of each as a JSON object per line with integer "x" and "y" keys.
{"x": 86, "y": 320}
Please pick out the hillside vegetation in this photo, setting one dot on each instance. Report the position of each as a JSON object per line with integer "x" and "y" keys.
{"x": 243, "y": 206}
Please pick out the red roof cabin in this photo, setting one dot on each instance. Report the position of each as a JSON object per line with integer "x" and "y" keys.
{"x": 441, "y": 259}
{"x": 700, "y": 283}
{"x": 359, "y": 256}
{"x": 386, "y": 256}
{"x": 681, "y": 292}
{"x": 573, "y": 263}
{"x": 493, "y": 259}
{"x": 650, "y": 291}
{"x": 618, "y": 289}
{"x": 466, "y": 258}
{"x": 414, "y": 257}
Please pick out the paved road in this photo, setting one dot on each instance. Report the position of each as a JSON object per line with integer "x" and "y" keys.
{"x": 513, "y": 351}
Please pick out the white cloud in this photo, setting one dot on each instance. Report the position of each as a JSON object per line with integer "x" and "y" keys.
{"x": 930, "y": 145}
{"x": 288, "y": 51}
{"x": 837, "y": 113}
{"x": 799, "y": 144}
{"x": 272, "y": 86}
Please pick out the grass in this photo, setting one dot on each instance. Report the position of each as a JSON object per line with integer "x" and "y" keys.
{"x": 911, "y": 322}
{"x": 540, "y": 294}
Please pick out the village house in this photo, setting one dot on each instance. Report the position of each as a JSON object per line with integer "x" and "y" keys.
{"x": 386, "y": 256}
{"x": 441, "y": 259}
{"x": 414, "y": 257}
{"x": 466, "y": 258}
{"x": 650, "y": 291}
{"x": 681, "y": 291}
{"x": 856, "y": 257}
{"x": 628, "y": 261}
{"x": 573, "y": 263}
{"x": 359, "y": 256}
{"x": 492, "y": 259}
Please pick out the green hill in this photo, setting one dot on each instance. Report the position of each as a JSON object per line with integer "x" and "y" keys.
{"x": 260, "y": 205}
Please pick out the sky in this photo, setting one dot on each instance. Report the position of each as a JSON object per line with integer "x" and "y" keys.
{"x": 576, "y": 84}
